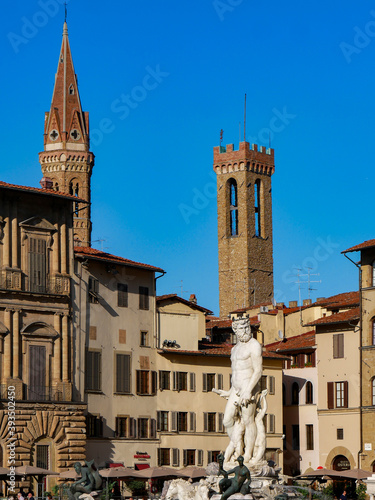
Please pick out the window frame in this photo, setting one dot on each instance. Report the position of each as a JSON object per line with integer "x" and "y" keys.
{"x": 122, "y": 295}
{"x": 144, "y": 298}
{"x": 96, "y": 365}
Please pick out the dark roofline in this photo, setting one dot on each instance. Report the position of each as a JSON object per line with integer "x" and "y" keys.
{"x": 174, "y": 296}
{"x": 49, "y": 192}
{"x": 270, "y": 355}
{"x": 121, "y": 261}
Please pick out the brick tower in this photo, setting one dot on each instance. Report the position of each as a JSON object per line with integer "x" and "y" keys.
{"x": 244, "y": 207}
{"x": 66, "y": 158}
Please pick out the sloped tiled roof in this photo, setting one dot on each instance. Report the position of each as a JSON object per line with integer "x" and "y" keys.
{"x": 340, "y": 301}
{"x": 227, "y": 322}
{"x": 361, "y": 246}
{"x": 342, "y": 317}
{"x": 174, "y": 296}
{"x": 29, "y": 189}
{"x": 93, "y": 253}
{"x": 298, "y": 342}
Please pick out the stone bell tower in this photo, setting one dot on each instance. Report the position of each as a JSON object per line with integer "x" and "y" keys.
{"x": 244, "y": 207}
{"x": 66, "y": 158}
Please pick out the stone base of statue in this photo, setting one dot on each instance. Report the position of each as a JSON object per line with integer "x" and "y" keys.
{"x": 236, "y": 496}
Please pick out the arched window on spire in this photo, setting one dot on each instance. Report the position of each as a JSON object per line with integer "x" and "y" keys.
{"x": 74, "y": 191}
{"x": 258, "y": 208}
{"x": 233, "y": 207}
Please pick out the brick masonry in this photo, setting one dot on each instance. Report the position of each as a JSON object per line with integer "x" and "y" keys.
{"x": 245, "y": 260}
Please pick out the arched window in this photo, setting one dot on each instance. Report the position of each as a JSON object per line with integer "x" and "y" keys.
{"x": 258, "y": 208}
{"x": 309, "y": 393}
{"x": 295, "y": 393}
{"x": 74, "y": 191}
{"x": 373, "y": 391}
{"x": 233, "y": 207}
{"x": 56, "y": 186}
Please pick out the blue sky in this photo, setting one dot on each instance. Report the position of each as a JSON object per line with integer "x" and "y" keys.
{"x": 311, "y": 62}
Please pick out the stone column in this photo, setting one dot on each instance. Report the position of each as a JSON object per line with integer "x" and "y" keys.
{"x": 16, "y": 344}
{"x": 15, "y": 238}
{"x": 7, "y": 345}
{"x": 6, "y": 253}
{"x": 65, "y": 347}
{"x": 63, "y": 245}
{"x": 57, "y": 350}
{"x": 56, "y": 251}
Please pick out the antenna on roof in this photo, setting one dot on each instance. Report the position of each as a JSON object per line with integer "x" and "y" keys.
{"x": 244, "y": 121}
{"x": 221, "y": 136}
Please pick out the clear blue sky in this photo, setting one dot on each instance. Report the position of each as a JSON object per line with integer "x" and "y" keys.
{"x": 313, "y": 62}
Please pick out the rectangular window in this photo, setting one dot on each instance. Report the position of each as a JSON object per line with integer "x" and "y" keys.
{"x": 143, "y": 428}
{"x": 309, "y": 437}
{"x": 341, "y": 394}
{"x": 208, "y": 382}
{"x": 338, "y": 345}
{"x": 123, "y": 373}
{"x": 180, "y": 381}
{"x": 211, "y": 422}
{"x": 146, "y": 382}
{"x": 93, "y": 290}
{"x": 143, "y": 298}
{"x": 295, "y": 437}
{"x": 93, "y": 370}
{"x": 122, "y": 424}
{"x": 42, "y": 456}
{"x": 189, "y": 457}
{"x": 175, "y": 457}
{"x": 122, "y": 295}
{"x": 212, "y": 456}
{"x": 164, "y": 456}
{"x": 340, "y": 433}
{"x": 38, "y": 265}
{"x": 162, "y": 421}
{"x": 272, "y": 384}
{"x": 182, "y": 421}
{"x": 94, "y": 425}
{"x": 164, "y": 380}
{"x": 144, "y": 339}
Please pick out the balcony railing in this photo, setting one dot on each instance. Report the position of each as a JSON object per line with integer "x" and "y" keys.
{"x": 16, "y": 281}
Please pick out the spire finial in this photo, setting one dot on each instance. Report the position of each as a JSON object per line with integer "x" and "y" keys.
{"x": 66, "y": 10}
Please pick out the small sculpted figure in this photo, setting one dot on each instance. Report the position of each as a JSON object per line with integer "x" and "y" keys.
{"x": 239, "y": 484}
{"x": 90, "y": 480}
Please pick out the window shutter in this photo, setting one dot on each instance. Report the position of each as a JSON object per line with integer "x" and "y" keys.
{"x": 301, "y": 360}
{"x": 117, "y": 431}
{"x": 123, "y": 373}
{"x": 154, "y": 377}
{"x": 192, "y": 421}
{"x": 158, "y": 420}
{"x": 175, "y": 457}
{"x": 263, "y": 382}
{"x": 175, "y": 381}
{"x": 139, "y": 381}
{"x": 161, "y": 385}
{"x": 341, "y": 345}
{"x": 209, "y": 457}
{"x": 205, "y": 422}
{"x": 153, "y": 428}
{"x": 220, "y": 426}
{"x": 272, "y": 423}
{"x": 272, "y": 384}
{"x": 185, "y": 458}
{"x": 204, "y": 382}
{"x": 174, "y": 421}
{"x": 289, "y": 364}
{"x": 192, "y": 382}
{"x": 159, "y": 457}
{"x": 330, "y": 396}
{"x": 346, "y": 386}
{"x": 220, "y": 381}
{"x": 313, "y": 358}
{"x": 200, "y": 458}
{"x": 132, "y": 428}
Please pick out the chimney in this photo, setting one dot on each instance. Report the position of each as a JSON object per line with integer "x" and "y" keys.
{"x": 280, "y": 305}
{"x": 193, "y": 298}
{"x": 293, "y": 303}
{"x": 46, "y": 183}
{"x": 320, "y": 299}
{"x": 307, "y": 302}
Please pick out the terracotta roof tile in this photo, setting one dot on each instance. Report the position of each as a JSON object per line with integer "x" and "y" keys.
{"x": 93, "y": 253}
{"x": 174, "y": 296}
{"x": 298, "y": 342}
{"x": 339, "y": 301}
{"x": 29, "y": 189}
{"x": 341, "y": 317}
{"x": 361, "y": 246}
{"x": 227, "y": 322}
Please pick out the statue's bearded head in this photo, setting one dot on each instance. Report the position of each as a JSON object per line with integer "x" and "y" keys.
{"x": 241, "y": 328}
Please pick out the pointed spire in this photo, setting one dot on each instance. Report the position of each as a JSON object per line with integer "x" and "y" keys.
{"x": 66, "y": 125}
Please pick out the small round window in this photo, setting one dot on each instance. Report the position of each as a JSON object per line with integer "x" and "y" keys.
{"x": 74, "y": 134}
{"x": 54, "y": 134}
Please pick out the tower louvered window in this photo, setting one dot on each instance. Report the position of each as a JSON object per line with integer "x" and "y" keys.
{"x": 257, "y": 208}
{"x": 233, "y": 207}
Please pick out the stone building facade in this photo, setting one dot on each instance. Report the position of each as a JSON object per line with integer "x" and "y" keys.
{"x": 36, "y": 259}
{"x": 244, "y": 205}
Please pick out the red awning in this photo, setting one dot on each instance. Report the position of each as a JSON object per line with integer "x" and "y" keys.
{"x": 141, "y": 466}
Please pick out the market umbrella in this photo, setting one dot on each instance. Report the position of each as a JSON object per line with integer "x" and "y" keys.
{"x": 69, "y": 474}
{"x": 154, "y": 472}
{"x": 321, "y": 473}
{"x": 29, "y": 470}
{"x": 193, "y": 472}
{"x": 118, "y": 472}
{"x": 355, "y": 473}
